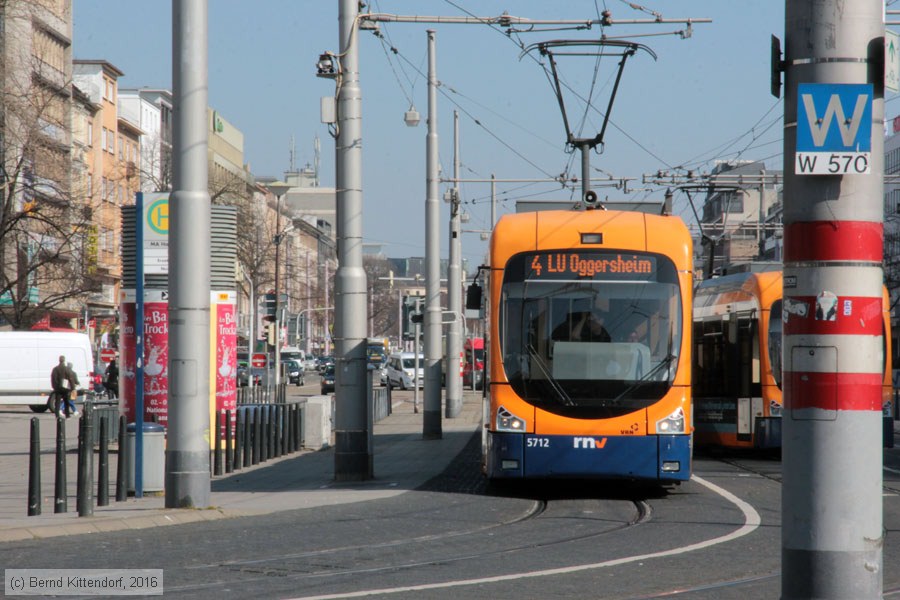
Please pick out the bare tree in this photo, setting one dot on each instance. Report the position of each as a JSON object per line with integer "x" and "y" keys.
{"x": 383, "y": 299}
{"x": 44, "y": 218}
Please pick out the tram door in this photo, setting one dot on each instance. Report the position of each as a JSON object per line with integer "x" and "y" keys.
{"x": 743, "y": 342}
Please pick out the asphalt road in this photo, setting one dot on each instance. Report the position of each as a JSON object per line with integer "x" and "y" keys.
{"x": 716, "y": 537}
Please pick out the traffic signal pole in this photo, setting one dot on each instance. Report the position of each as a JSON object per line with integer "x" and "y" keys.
{"x": 832, "y": 356}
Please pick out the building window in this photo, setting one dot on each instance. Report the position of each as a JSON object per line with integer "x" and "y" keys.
{"x": 90, "y": 133}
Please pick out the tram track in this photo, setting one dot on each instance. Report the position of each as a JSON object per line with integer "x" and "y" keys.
{"x": 329, "y": 560}
{"x": 892, "y": 486}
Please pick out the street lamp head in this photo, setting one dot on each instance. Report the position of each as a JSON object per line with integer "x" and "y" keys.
{"x": 278, "y": 188}
{"x": 411, "y": 117}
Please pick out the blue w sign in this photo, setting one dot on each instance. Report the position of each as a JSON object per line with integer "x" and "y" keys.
{"x": 834, "y": 129}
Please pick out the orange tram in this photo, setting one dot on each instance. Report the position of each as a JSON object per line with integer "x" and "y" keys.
{"x": 737, "y": 359}
{"x": 589, "y": 347}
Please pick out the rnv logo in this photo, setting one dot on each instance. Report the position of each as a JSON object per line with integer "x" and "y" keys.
{"x": 589, "y": 443}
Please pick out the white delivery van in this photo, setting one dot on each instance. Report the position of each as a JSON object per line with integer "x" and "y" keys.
{"x": 28, "y": 357}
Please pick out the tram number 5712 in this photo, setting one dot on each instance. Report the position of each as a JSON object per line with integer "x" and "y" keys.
{"x": 537, "y": 442}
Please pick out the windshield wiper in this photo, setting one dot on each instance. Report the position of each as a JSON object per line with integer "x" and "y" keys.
{"x": 554, "y": 385}
{"x": 663, "y": 363}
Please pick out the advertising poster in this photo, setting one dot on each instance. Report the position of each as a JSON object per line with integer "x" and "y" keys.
{"x": 156, "y": 362}
{"x": 156, "y": 357}
{"x": 224, "y": 350}
{"x": 126, "y": 357}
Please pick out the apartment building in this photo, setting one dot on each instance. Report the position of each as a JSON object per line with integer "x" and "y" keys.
{"x": 114, "y": 149}
{"x": 150, "y": 110}
{"x": 733, "y": 221}
{"x": 40, "y": 250}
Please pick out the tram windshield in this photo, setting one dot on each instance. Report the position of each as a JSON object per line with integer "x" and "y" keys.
{"x": 593, "y": 334}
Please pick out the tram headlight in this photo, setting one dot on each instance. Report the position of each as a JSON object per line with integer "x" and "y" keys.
{"x": 506, "y": 421}
{"x": 674, "y": 423}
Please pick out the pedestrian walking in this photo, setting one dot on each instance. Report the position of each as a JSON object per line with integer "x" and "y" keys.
{"x": 72, "y": 379}
{"x": 111, "y": 380}
{"x": 59, "y": 379}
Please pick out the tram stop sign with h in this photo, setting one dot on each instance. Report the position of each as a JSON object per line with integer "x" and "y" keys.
{"x": 834, "y": 129}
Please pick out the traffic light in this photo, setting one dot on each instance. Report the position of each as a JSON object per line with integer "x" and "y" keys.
{"x": 269, "y": 307}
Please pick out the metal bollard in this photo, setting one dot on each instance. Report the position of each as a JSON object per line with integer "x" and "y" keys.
{"x": 85, "y": 501}
{"x": 257, "y": 434}
{"x": 299, "y": 426}
{"x": 34, "y": 469}
{"x": 60, "y": 501}
{"x": 278, "y": 431}
{"x": 289, "y": 425}
{"x": 121, "y": 462}
{"x": 217, "y": 453}
{"x": 229, "y": 449}
{"x": 286, "y": 440}
{"x": 270, "y": 430}
{"x": 248, "y": 438}
{"x": 103, "y": 464}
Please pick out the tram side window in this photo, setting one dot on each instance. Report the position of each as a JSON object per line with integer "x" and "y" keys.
{"x": 726, "y": 358}
{"x": 775, "y": 341}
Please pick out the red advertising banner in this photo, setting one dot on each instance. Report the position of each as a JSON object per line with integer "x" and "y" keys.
{"x": 126, "y": 358}
{"x": 226, "y": 359}
{"x": 156, "y": 360}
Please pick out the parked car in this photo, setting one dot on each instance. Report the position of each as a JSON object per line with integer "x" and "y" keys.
{"x": 294, "y": 372}
{"x": 328, "y": 379}
{"x": 401, "y": 370}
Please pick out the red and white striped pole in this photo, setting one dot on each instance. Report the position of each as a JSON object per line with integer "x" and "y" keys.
{"x": 833, "y": 350}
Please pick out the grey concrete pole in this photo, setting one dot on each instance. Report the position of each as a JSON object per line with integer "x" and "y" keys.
{"x": 493, "y": 201}
{"x": 585, "y": 169}
{"x": 352, "y": 457}
{"x": 431, "y": 421}
{"x": 277, "y": 324}
{"x": 187, "y": 479}
{"x": 454, "y": 291}
{"x": 832, "y": 533}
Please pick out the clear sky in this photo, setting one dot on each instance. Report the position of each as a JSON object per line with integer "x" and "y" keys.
{"x": 704, "y": 99}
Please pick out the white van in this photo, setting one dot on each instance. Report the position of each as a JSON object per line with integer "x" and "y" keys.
{"x": 400, "y": 370}
{"x": 28, "y": 357}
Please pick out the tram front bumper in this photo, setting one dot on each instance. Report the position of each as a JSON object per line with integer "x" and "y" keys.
{"x": 664, "y": 458}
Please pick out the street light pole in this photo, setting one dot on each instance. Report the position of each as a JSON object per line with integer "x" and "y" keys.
{"x": 353, "y": 456}
{"x": 454, "y": 291}
{"x": 187, "y": 480}
{"x": 431, "y": 422}
{"x": 279, "y": 189}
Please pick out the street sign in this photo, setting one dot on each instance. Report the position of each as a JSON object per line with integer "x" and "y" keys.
{"x": 834, "y": 129}
{"x": 107, "y": 354}
{"x": 891, "y": 60}
{"x": 156, "y": 233}
{"x": 258, "y": 361}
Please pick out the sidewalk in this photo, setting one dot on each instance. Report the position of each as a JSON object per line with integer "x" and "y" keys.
{"x": 402, "y": 461}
